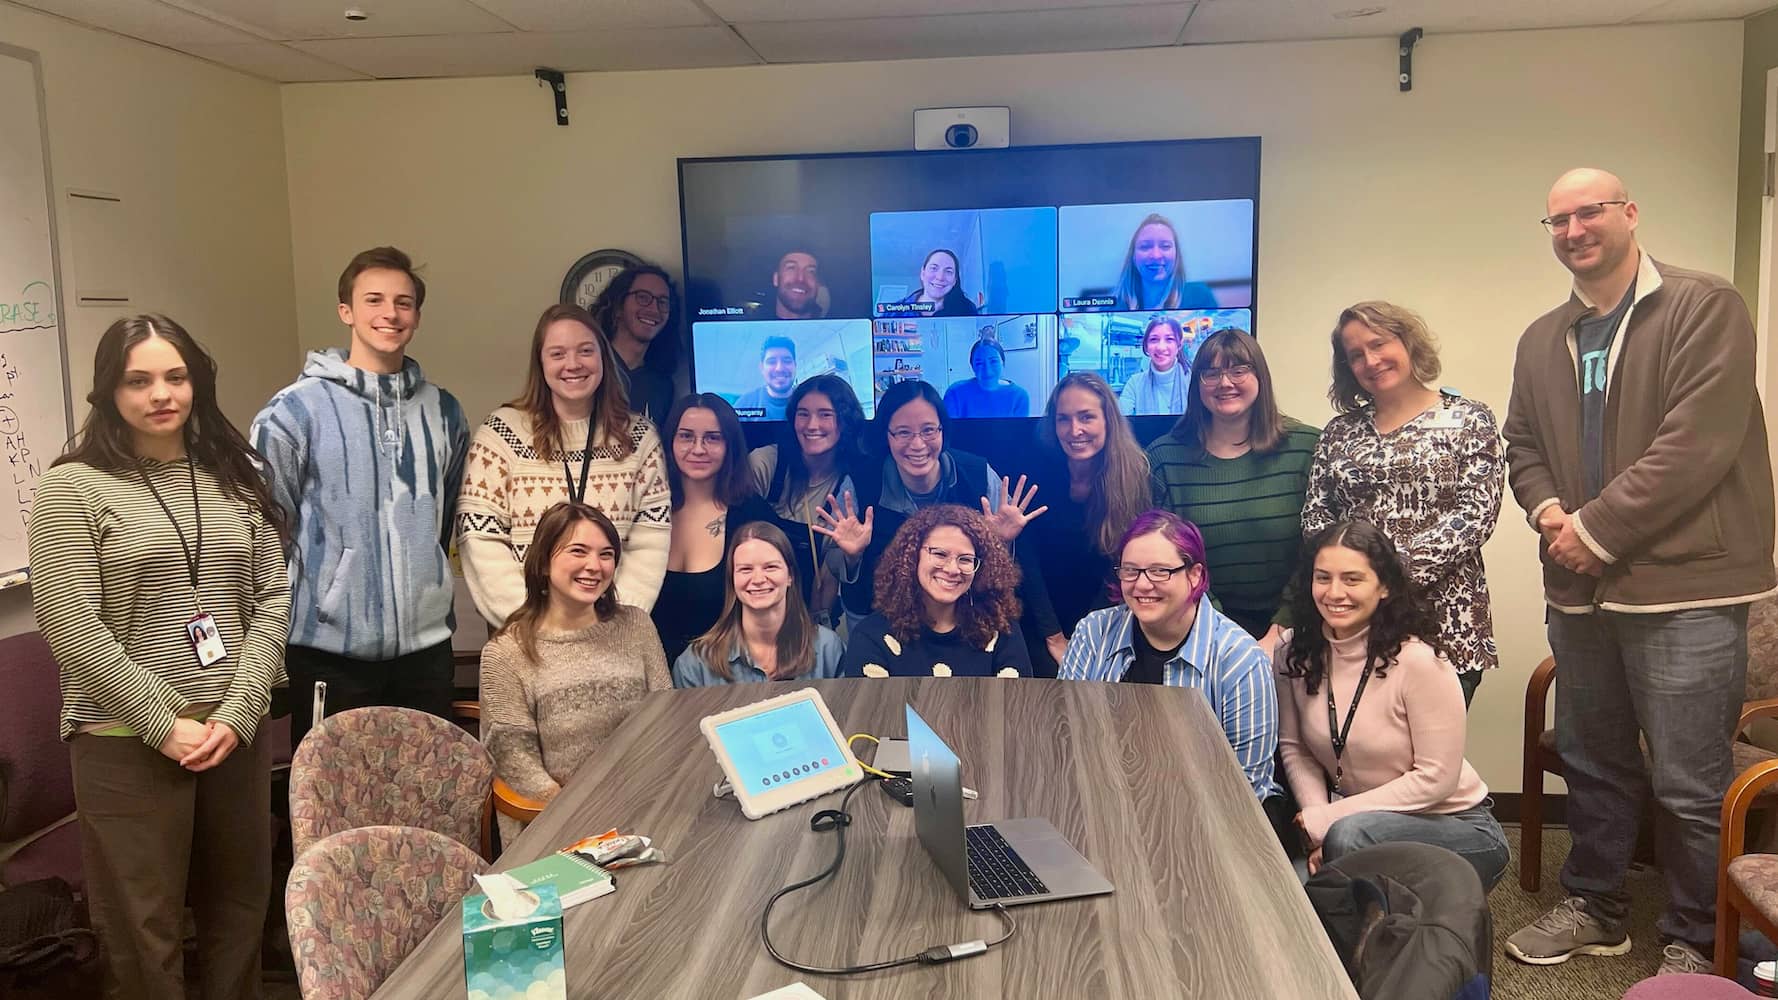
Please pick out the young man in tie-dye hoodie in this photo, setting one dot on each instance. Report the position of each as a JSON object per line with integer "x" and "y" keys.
{"x": 366, "y": 456}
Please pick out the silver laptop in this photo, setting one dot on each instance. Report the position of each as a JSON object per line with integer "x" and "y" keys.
{"x": 1005, "y": 863}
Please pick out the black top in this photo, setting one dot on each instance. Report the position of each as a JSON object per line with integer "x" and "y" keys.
{"x": 872, "y": 651}
{"x": 1150, "y": 665}
{"x": 651, "y": 394}
{"x": 690, "y": 603}
{"x": 1074, "y": 577}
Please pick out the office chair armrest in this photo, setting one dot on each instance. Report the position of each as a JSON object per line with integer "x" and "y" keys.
{"x": 1746, "y": 787}
{"x": 1765, "y": 708}
{"x": 508, "y": 802}
{"x": 1537, "y": 691}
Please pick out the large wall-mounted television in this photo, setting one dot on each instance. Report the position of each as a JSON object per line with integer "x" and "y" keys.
{"x": 987, "y": 273}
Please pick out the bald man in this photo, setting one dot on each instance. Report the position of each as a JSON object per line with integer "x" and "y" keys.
{"x": 1637, "y": 446}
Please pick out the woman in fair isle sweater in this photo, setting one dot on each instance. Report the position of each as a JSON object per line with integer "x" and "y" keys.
{"x": 568, "y": 437}
{"x": 571, "y": 662}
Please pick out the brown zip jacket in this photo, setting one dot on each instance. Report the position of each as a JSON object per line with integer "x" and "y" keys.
{"x": 1685, "y": 519}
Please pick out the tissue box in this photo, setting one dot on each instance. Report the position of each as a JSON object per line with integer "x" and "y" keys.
{"x": 521, "y": 957}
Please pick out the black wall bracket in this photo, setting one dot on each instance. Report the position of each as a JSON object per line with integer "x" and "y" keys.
{"x": 558, "y": 86}
{"x": 1408, "y": 38}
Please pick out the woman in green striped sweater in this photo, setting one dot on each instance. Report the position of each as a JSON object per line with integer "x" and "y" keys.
{"x": 1237, "y": 468}
{"x": 158, "y": 579}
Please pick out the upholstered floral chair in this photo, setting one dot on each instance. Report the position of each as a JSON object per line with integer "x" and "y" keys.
{"x": 389, "y": 766}
{"x": 360, "y": 901}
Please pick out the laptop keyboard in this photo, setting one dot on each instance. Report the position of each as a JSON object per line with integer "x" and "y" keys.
{"x": 995, "y": 870}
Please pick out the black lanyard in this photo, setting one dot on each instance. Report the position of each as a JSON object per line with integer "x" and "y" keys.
{"x": 1338, "y": 735}
{"x": 193, "y": 554}
{"x": 586, "y": 461}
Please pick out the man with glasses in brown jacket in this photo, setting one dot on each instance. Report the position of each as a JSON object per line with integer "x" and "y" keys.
{"x": 1637, "y": 446}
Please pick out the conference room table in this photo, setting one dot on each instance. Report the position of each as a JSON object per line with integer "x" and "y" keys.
{"x": 1139, "y": 778}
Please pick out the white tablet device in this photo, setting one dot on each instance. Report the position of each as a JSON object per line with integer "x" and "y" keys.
{"x": 780, "y": 752}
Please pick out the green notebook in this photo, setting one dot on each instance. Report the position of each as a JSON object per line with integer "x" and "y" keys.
{"x": 576, "y": 879}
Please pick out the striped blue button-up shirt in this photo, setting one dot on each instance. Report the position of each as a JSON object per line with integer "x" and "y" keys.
{"x": 1218, "y": 658}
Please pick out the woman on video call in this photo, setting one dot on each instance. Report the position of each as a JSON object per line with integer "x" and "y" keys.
{"x": 940, "y": 276}
{"x": 1161, "y": 385}
{"x": 1153, "y": 276}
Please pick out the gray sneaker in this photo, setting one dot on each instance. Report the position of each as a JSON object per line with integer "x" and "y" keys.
{"x": 1565, "y": 931}
{"x": 1680, "y": 958}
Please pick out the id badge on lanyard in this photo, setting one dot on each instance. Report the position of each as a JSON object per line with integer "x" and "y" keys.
{"x": 201, "y": 630}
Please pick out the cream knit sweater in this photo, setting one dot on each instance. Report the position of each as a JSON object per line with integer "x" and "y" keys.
{"x": 507, "y": 488}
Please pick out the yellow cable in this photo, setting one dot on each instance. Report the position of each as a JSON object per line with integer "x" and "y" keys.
{"x": 867, "y": 768}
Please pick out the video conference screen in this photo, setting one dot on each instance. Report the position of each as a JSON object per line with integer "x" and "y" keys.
{"x": 988, "y": 273}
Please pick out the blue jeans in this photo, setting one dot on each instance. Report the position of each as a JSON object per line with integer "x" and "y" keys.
{"x": 1678, "y": 679}
{"x": 1471, "y": 834}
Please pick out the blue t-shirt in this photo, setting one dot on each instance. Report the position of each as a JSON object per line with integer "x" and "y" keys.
{"x": 760, "y": 399}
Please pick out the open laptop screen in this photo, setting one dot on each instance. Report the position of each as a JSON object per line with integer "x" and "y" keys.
{"x": 938, "y": 801}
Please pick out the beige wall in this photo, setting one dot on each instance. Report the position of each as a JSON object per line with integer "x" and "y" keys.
{"x": 197, "y": 154}
{"x": 1430, "y": 198}
{"x": 1759, "y": 56}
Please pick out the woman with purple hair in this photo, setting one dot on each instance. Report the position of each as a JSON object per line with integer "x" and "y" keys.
{"x": 1165, "y": 631}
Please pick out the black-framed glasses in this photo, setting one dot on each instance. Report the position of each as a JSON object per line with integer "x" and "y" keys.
{"x": 648, "y": 300}
{"x": 1234, "y": 373}
{"x": 1155, "y": 574}
{"x": 1587, "y": 214}
{"x": 966, "y": 562}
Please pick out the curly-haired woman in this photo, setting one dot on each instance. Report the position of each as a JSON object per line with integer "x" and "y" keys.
{"x": 1370, "y": 715}
{"x": 946, "y": 606}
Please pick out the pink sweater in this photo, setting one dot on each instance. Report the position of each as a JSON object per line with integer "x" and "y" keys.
{"x": 1405, "y": 749}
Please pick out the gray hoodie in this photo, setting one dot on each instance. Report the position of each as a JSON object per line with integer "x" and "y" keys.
{"x": 368, "y": 467}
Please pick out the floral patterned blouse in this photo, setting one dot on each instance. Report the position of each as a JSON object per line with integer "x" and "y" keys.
{"x": 1433, "y": 486}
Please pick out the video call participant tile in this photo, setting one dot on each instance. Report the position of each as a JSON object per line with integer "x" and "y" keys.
{"x": 963, "y": 263}
{"x": 1155, "y": 255}
{"x": 755, "y": 365}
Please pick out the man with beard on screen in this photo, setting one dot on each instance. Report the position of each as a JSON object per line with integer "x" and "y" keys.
{"x": 796, "y": 286}
{"x": 777, "y": 365}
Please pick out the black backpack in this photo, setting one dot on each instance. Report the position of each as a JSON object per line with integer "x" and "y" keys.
{"x": 45, "y": 952}
{"x": 1410, "y": 921}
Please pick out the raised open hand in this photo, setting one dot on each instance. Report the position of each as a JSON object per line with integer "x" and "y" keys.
{"x": 1011, "y": 517}
{"x": 838, "y": 520}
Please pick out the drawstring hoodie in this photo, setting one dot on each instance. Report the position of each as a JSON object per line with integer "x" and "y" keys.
{"x": 387, "y": 394}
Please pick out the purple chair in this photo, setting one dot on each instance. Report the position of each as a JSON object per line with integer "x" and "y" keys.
{"x": 1687, "y": 987}
{"x": 38, "y": 837}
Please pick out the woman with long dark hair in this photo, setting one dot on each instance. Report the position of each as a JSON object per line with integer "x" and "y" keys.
{"x": 948, "y": 604}
{"x": 571, "y": 662}
{"x": 1095, "y": 480}
{"x": 712, "y": 496}
{"x": 941, "y": 281}
{"x": 568, "y": 437}
{"x": 1162, "y": 385}
{"x": 814, "y": 457}
{"x": 765, "y": 632}
{"x": 1371, "y": 719}
{"x": 1238, "y": 469}
{"x": 635, "y": 312}
{"x": 159, "y": 580}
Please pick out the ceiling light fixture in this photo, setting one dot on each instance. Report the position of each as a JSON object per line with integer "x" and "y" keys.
{"x": 355, "y": 14}
{"x": 1349, "y": 14}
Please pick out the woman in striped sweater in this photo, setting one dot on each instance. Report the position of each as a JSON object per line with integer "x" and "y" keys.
{"x": 158, "y": 579}
{"x": 1237, "y": 468}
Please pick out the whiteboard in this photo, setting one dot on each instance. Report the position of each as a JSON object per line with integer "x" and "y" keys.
{"x": 34, "y": 414}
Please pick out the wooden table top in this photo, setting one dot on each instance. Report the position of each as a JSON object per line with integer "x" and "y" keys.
{"x": 1138, "y": 777}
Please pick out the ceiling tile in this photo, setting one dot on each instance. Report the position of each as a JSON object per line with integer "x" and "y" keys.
{"x": 1076, "y": 30}
{"x": 274, "y": 62}
{"x": 521, "y": 52}
{"x": 1274, "y": 20}
{"x": 145, "y": 19}
{"x": 737, "y": 11}
{"x": 579, "y": 15}
{"x": 284, "y": 20}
